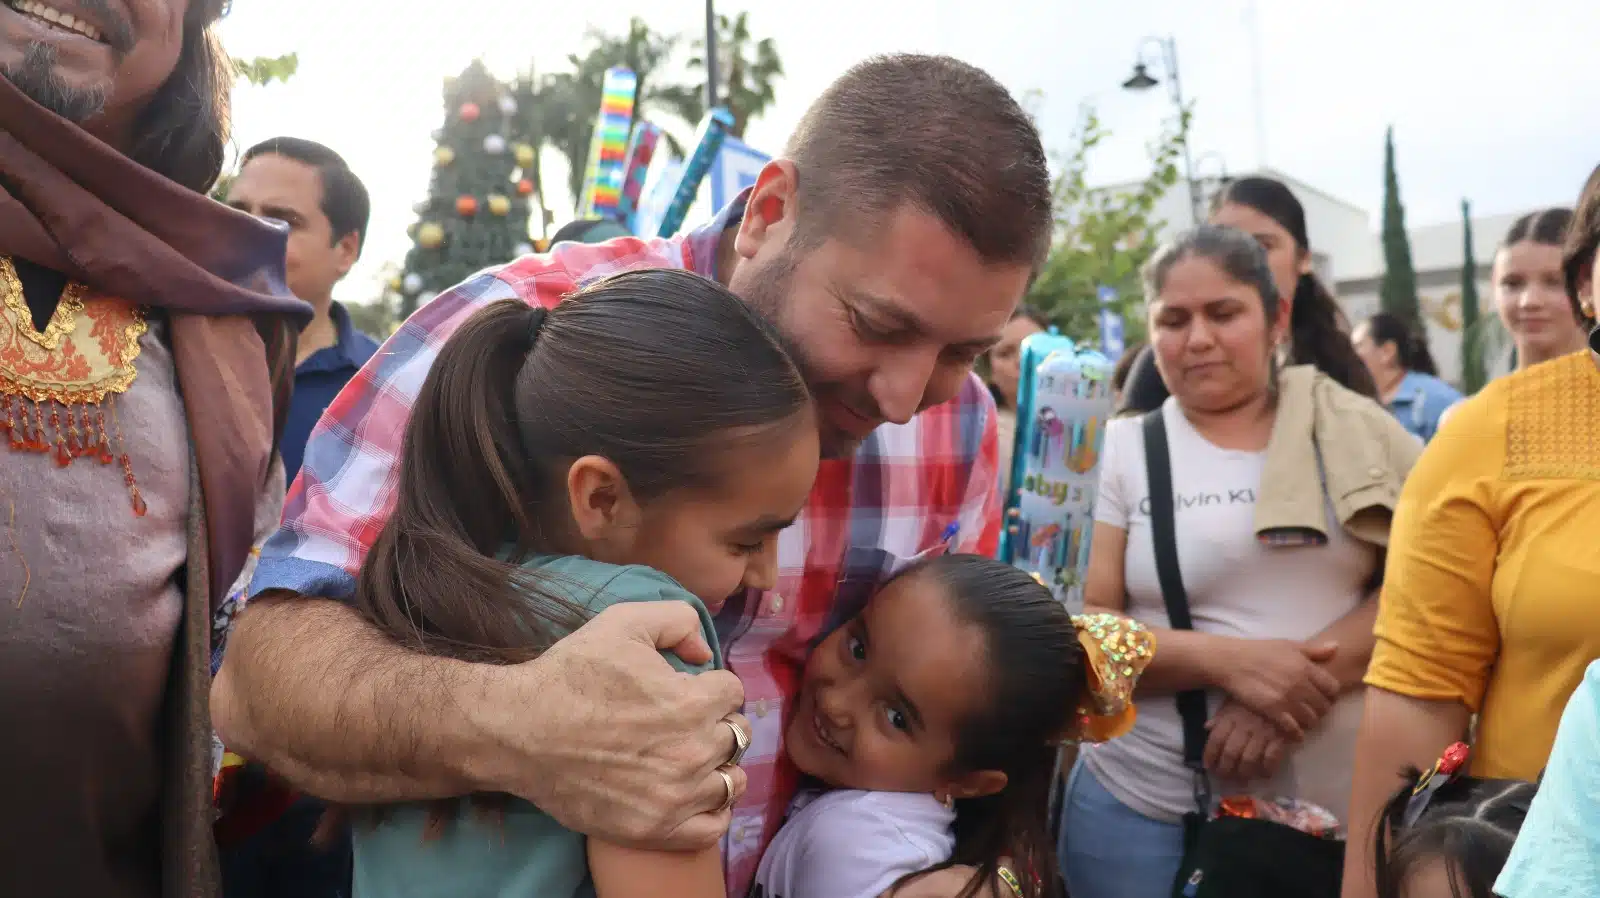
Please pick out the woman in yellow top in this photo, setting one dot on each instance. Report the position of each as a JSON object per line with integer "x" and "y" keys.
{"x": 1490, "y": 593}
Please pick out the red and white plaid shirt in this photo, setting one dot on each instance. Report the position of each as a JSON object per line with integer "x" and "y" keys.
{"x": 910, "y": 490}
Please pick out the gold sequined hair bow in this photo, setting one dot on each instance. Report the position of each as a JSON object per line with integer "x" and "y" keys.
{"x": 1116, "y": 651}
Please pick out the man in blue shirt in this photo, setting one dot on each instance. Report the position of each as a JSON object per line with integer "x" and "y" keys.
{"x": 311, "y": 189}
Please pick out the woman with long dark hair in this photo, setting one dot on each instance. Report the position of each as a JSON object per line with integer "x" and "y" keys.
{"x": 1403, "y": 368}
{"x": 1316, "y": 335}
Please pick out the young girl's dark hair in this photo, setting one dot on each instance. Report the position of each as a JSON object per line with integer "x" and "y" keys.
{"x": 659, "y": 371}
{"x": 1038, "y": 676}
{"x": 1411, "y": 348}
{"x": 1468, "y": 823}
{"x": 1315, "y": 337}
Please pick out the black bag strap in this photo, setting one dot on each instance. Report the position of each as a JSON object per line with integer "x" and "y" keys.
{"x": 1191, "y": 704}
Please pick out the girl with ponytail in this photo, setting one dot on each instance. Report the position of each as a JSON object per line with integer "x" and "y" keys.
{"x": 1318, "y": 332}
{"x": 557, "y": 462}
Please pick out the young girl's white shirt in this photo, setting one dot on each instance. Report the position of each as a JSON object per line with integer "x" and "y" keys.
{"x": 853, "y": 844}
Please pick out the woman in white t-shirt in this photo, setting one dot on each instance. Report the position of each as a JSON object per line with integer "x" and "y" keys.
{"x": 1282, "y": 634}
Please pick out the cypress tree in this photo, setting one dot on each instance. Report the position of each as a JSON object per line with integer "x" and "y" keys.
{"x": 1397, "y": 294}
{"x": 1473, "y": 373}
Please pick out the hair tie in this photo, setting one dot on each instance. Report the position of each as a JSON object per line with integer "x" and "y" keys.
{"x": 1452, "y": 762}
{"x": 536, "y": 319}
{"x": 1116, "y": 651}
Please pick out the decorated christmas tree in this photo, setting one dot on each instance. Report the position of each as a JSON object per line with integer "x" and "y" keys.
{"x": 476, "y": 214}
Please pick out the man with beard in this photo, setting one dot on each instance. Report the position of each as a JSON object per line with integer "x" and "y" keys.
{"x": 890, "y": 243}
{"x": 134, "y": 310}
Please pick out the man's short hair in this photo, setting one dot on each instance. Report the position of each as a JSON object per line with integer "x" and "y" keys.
{"x": 931, "y": 132}
{"x": 344, "y": 197}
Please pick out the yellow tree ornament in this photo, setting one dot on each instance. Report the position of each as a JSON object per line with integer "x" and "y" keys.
{"x": 444, "y": 156}
{"x": 499, "y": 205}
{"x": 524, "y": 153}
{"x": 430, "y": 235}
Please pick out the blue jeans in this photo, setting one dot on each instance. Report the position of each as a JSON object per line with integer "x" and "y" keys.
{"x": 1108, "y": 850}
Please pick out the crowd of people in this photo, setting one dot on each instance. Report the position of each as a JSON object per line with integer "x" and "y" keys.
{"x": 536, "y": 599}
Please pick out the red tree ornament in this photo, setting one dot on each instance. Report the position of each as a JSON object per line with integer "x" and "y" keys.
{"x": 466, "y": 206}
{"x": 469, "y": 112}
{"x": 524, "y": 187}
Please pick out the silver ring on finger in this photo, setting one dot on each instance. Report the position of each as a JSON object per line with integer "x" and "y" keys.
{"x": 727, "y": 785}
{"x": 741, "y": 742}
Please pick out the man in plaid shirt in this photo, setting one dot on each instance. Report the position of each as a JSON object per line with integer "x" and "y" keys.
{"x": 890, "y": 244}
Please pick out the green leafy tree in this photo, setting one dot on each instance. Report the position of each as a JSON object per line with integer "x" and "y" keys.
{"x": 1104, "y": 237}
{"x": 535, "y": 112}
{"x": 571, "y": 100}
{"x": 263, "y": 70}
{"x": 1474, "y": 373}
{"x": 473, "y": 216}
{"x": 1397, "y": 293}
{"x": 748, "y": 71}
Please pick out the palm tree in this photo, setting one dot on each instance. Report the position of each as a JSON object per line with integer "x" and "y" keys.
{"x": 571, "y": 100}
{"x": 748, "y": 71}
{"x": 531, "y": 125}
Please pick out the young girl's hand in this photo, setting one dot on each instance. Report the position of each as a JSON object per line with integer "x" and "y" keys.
{"x": 1243, "y": 745}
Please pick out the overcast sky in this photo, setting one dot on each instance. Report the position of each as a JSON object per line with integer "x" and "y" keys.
{"x": 1495, "y": 101}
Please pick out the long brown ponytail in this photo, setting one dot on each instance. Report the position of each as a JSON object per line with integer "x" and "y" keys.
{"x": 635, "y": 369}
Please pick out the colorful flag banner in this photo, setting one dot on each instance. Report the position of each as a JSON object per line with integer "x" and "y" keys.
{"x": 641, "y": 149}
{"x": 602, "y": 179}
{"x": 707, "y": 144}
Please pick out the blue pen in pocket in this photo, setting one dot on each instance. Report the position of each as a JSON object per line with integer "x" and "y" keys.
{"x": 951, "y": 536}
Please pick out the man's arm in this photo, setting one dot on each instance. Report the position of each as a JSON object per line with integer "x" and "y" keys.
{"x": 313, "y": 667}
{"x": 311, "y": 690}
{"x": 320, "y": 697}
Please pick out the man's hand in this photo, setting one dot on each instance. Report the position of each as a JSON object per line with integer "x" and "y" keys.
{"x": 1243, "y": 746}
{"x": 606, "y": 737}
{"x": 600, "y": 732}
{"x": 1283, "y": 681}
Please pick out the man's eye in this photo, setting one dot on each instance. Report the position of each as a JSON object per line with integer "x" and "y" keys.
{"x": 866, "y": 329}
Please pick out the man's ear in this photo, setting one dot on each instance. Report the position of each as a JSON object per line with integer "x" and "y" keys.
{"x": 770, "y": 213}
{"x": 603, "y": 509}
{"x": 348, "y": 250}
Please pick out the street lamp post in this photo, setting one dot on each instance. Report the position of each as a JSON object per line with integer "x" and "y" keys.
{"x": 1141, "y": 79}
{"x": 711, "y": 55}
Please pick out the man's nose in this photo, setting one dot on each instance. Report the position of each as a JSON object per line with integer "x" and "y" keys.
{"x": 899, "y": 385}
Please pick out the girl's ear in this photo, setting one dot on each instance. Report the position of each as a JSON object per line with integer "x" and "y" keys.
{"x": 602, "y": 506}
{"x": 977, "y": 784}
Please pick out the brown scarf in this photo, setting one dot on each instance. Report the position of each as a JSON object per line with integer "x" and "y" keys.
{"x": 74, "y": 205}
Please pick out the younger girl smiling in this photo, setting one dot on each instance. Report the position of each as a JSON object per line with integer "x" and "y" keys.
{"x": 930, "y": 722}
